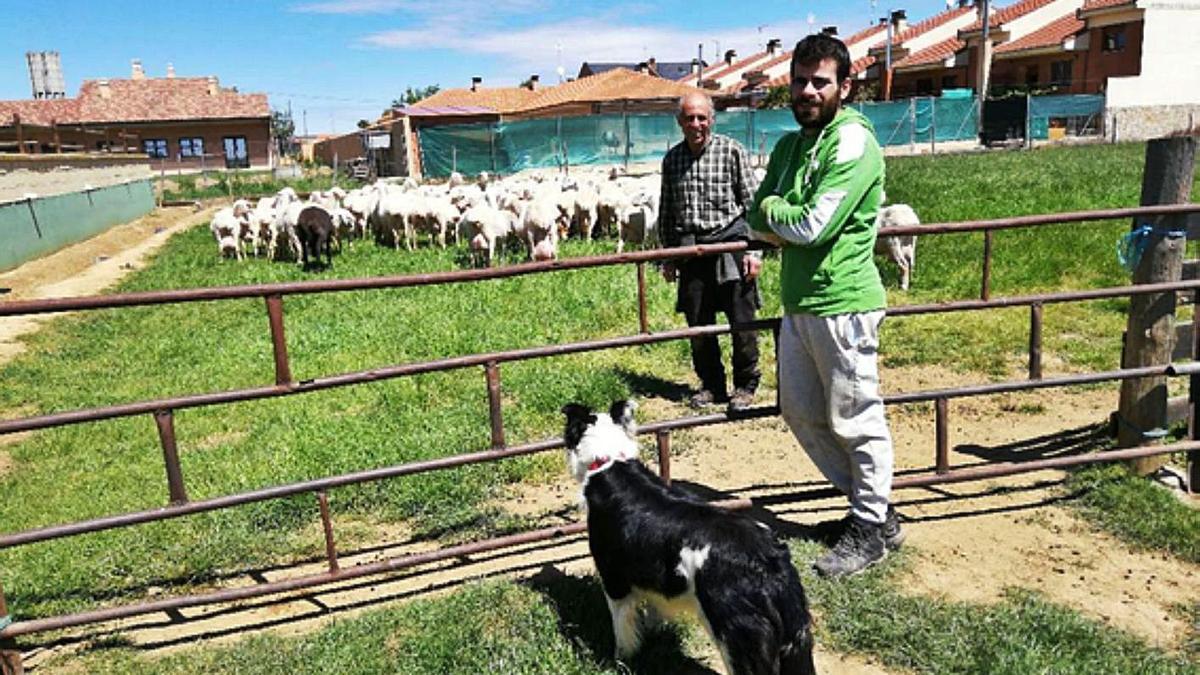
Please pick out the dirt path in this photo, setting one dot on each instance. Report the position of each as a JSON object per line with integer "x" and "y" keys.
{"x": 971, "y": 541}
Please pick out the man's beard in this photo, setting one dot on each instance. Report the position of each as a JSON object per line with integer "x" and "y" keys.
{"x": 815, "y": 118}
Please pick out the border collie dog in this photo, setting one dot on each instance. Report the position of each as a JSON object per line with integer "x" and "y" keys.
{"x": 656, "y": 544}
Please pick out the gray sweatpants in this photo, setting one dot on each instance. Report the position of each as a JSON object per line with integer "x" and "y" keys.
{"x": 829, "y": 396}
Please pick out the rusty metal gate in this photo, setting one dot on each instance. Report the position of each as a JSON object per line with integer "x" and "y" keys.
{"x": 178, "y": 504}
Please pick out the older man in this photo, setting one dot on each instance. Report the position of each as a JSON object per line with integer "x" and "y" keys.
{"x": 707, "y": 189}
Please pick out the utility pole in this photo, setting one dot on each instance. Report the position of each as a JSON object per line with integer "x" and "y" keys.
{"x": 985, "y": 61}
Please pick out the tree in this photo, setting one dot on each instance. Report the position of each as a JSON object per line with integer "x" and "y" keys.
{"x": 283, "y": 130}
{"x": 777, "y": 97}
{"x": 411, "y": 95}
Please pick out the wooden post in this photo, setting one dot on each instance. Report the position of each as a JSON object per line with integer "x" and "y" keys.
{"x": 1150, "y": 335}
{"x": 20, "y": 133}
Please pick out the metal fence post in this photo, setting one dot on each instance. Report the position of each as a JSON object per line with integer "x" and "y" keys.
{"x": 932, "y": 125}
{"x": 283, "y": 372}
{"x": 643, "y": 320}
{"x": 663, "y": 442}
{"x": 165, "y": 421}
{"x": 495, "y": 413}
{"x": 327, "y": 527}
{"x": 985, "y": 291}
{"x": 1035, "y": 341}
{"x": 941, "y": 421}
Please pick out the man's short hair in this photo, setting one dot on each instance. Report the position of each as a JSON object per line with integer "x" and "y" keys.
{"x": 818, "y": 47}
{"x": 712, "y": 110}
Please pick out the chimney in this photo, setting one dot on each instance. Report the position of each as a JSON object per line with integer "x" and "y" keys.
{"x": 213, "y": 87}
{"x": 533, "y": 82}
{"x": 773, "y": 46}
{"x": 695, "y": 66}
{"x": 475, "y": 82}
{"x": 102, "y": 87}
{"x": 830, "y": 31}
{"x": 136, "y": 72}
{"x": 899, "y": 20}
{"x": 730, "y": 56}
{"x": 652, "y": 65}
{"x": 643, "y": 68}
{"x": 170, "y": 71}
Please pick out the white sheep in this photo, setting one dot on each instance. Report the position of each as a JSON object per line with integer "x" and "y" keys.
{"x": 902, "y": 249}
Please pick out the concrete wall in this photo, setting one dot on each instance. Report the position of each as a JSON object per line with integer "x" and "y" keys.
{"x": 1169, "y": 74}
{"x": 1139, "y": 123}
{"x": 31, "y": 228}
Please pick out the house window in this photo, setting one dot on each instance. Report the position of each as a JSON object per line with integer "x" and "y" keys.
{"x": 1114, "y": 39}
{"x": 924, "y": 86}
{"x": 1060, "y": 72}
{"x": 1031, "y": 75}
{"x": 236, "y": 155}
{"x": 949, "y": 82}
{"x": 155, "y": 147}
{"x": 191, "y": 147}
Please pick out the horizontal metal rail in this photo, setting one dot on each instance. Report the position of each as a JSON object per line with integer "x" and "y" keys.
{"x": 20, "y": 307}
{"x": 377, "y": 374}
{"x": 323, "y": 484}
{"x": 313, "y": 580}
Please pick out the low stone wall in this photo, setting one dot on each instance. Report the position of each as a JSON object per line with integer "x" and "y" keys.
{"x": 1142, "y": 123}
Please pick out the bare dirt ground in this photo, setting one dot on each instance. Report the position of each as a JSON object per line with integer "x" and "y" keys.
{"x": 971, "y": 541}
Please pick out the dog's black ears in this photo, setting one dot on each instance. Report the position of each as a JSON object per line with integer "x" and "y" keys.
{"x": 621, "y": 413}
{"x": 579, "y": 418}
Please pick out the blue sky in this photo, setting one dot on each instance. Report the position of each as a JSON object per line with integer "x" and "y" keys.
{"x": 338, "y": 61}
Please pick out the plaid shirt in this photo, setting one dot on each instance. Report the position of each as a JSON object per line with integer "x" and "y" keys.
{"x": 706, "y": 193}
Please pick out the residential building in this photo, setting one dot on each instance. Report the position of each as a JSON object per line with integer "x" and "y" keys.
{"x": 180, "y": 122}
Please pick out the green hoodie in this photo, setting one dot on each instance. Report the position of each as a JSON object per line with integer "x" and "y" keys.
{"x": 821, "y": 195}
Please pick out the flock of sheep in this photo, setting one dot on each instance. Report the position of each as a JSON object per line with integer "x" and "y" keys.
{"x": 535, "y": 211}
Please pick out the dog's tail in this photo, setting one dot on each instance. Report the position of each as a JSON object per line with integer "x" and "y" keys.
{"x": 796, "y": 657}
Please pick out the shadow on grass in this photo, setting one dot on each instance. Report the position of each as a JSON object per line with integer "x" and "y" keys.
{"x": 651, "y": 386}
{"x": 584, "y": 622}
{"x": 1076, "y": 441}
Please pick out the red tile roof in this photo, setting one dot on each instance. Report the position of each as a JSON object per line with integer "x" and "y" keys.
{"x": 933, "y": 54}
{"x": 166, "y": 98}
{"x": 722, "y": 69}
{"x": 38, "y": 112}
{"x": 1050, "y": 35}
{"x": 1104, "y": 4}
{"x": 786, "y": 79}
{"x": 498, "y": 99}
{"x": 619, "y": 84}
{"x": 1003, "y": 15}
{"x": 866, "y": 34}
{"x": 929, "y": 24}
{"x": 862, "y": 64}
{"x": 143, "y": 100}
{"x": 611, "y": 85}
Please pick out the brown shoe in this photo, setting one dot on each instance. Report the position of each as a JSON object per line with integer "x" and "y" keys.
{"x": 742, "y": 399}
{"x": 704, "y": 398}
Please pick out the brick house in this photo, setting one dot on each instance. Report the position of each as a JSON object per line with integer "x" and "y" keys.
{"x": 179, "y": 122}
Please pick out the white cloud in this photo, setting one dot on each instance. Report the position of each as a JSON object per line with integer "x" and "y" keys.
{"x": 535, "y": 48}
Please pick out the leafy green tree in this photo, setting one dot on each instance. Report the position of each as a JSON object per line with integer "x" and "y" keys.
{"x": 283, "y": 130}
{"x": 411, "y": 95}
{"x": 777, "y": 97}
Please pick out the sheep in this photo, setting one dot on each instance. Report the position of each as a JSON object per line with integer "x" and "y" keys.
{"x": 541, "y": 220}
{"x": 902, "y": 249}
{"x": 484, "y": 227}
{"x": 227, "y": 230}
{"x": 284, "y": 225}
{"x": 314, "y": 226}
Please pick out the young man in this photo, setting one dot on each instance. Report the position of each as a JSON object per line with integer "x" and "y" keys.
{"x": 707, "y": 187}
{"x": 818, "y": 202}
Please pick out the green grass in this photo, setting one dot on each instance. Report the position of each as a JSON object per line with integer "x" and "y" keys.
{"x": 106, "y": 357}
{"x": 1140, "y": 512}
{"x": 217, "y": 184}
{"x": 554, "y": 623}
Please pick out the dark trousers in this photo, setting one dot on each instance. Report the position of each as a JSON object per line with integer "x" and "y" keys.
{"x": 700, "y": 298}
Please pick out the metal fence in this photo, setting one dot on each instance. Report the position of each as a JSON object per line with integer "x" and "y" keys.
{"x": 178, "y": 504}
